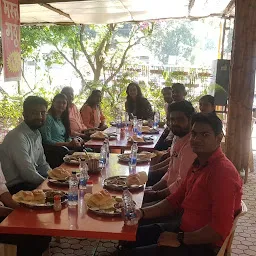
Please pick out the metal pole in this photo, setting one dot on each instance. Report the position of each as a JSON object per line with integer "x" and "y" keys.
{"x": 223, "y": 38}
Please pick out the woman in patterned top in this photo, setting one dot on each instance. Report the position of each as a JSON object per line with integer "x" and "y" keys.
{"x": 136, "y": 104}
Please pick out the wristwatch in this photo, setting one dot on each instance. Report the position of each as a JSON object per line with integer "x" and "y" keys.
{"x": 180, "y": 237}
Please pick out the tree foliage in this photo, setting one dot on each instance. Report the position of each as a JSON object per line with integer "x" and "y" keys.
{"x": 100, "y": 50}
{"x": 175, "y": 38}
{"x": 95, "y": 53}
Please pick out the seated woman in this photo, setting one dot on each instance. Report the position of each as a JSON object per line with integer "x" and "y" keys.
{"x": 91, "y": 112}
{"x": 56, "y": 130}
{"x": 207, "y": 104}
{"x": 136, "y": 104}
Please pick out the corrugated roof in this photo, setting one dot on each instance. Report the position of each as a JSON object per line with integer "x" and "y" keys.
{"x": 114, "y": 11}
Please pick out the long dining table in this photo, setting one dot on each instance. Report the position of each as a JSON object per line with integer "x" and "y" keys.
{"x": 122, "y": 143}
{"x": 76, "y": 221}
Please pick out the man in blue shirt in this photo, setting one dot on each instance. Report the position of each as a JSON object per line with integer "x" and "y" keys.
{"x": 21, "y": 153}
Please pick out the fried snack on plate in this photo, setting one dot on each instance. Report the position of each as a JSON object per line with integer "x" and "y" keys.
{"x": 59, "y": 173}
{"x": 39, "y": 196}
{"x": 22, "y": 195}
{"x": 101, "y": 200}
{"x": 136, "y": 138}
{"x": 139, "y": 178}
{"x": 99, "y": 135}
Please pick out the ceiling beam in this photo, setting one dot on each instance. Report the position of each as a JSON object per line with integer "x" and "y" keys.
{"x": 190, "y": 6}
{"x": 47, "y": 1}
{"x": 229, "y": 8}
{"x": 47, "y": 23}
{"x": 48, "y": 6}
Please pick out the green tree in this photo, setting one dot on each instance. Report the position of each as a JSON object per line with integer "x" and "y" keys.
{"x": 96, "y": 53}
{"x": 101, "y": 50}
{"x": 173, "y": 38}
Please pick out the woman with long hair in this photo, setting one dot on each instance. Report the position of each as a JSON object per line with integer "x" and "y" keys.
{"x": 91, "y": 111}
{"x": 56, "y": 130}
{"x": 136, "y": 104}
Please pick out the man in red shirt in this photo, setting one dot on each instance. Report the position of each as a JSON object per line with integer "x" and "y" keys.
{"x": 210, "y": 198}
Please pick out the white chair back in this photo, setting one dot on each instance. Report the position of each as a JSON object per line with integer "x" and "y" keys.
{"x": 225, "y": 249}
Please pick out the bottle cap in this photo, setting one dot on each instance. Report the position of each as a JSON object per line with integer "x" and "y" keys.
{"x": 56, "y": 197}
{"x": 89, "y": 182}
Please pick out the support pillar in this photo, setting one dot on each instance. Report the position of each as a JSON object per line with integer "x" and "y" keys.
{"x": 242, "y": 82}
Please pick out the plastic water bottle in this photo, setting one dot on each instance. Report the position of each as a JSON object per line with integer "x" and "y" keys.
{"x": 156, "y": 119}
{"x": 130, "y": 217}
{"x": 118, "y": 123}
{"x": 103, "y": 155}
{"x": 126, "y": 120}
{"x": 83, "y": 174}
{"x": 139, "y": 127}
{"x": 73, "y": 190}
{"x": 135, "y": 125}
{"x": 133, "y": 157}
{"x": 106, "y": 142}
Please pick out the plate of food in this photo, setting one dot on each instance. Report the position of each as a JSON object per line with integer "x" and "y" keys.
{"x": 74, "y": 159}
{"x": 38, "y": 198}
{"x": 99, "y": 135}
{"x": 131, "y": 182}
{"x": 61, "y": 183}
{"x": 149, "y": 130}
{"x": 59, "y": 174}
{"x": 104, "y": 204}
{"x": 141, "y": 157}
{"x": 141, "y": 140}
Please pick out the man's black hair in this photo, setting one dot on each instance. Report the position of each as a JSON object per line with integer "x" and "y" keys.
{"x": 182, "y": 106}
{"x": 179, "y": 87}
{"x": 32, "y": 101}
{"x": 211, "y": 119}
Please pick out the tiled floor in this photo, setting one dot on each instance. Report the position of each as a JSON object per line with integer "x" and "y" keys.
{"x": 244, "y": 241}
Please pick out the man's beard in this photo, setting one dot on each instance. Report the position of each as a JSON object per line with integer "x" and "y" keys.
{"x": 180, "y": 133}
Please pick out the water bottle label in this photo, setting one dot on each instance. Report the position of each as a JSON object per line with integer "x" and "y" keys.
{"x": 103, "y": 160}
{"x": 70, "y": 197}
{"x": 133, "y": 160}
{"x": 83, "y": 182}
{"x": 75, "y": 197}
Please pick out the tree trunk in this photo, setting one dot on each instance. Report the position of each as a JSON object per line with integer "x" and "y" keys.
{"x": 241, "y": 91}
{"x": 96, "y": 75}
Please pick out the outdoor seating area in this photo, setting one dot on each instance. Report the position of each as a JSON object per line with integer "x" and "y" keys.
{"x": 125, "y": 130}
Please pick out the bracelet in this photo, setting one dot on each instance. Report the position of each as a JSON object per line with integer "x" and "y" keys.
{"x": 143, "y": 213}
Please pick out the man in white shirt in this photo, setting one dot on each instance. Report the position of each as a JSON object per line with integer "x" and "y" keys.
{"x": 26, "y": 244}
{"x": 21, "y": 153}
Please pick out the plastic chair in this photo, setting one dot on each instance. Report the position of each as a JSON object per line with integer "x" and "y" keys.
{"x": 8, "y": 250}
{"x": 225, "y": 250}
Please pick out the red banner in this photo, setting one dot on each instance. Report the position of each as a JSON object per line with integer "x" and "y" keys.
{"x": 10, "y": 16}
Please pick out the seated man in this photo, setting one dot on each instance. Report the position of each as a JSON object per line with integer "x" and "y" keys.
{"x": 77, "y": 127}
{"x": 21, "y": 153}
{"x": 176, "y": 93}
{"x": 26, "y": 244}
{"x": 181, "y": 153}
{"x": 210, "y": 198}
